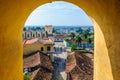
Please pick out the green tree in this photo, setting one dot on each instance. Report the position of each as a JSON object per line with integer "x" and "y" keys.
{"x": 72, "y": 35}
{"x": 67, "y": 40}
{"x": 38, "y": 28}
{"x": 73, "y": 47}
{"x": 89, "y": 41}
{"x": 85, "y": 34}
{"x": 78, "y": 39}
{"x": 33, "y": 28}
{"x": 80, "y": 30}
{"x": 88, "y": 30}
{"x": 43, "y": 28}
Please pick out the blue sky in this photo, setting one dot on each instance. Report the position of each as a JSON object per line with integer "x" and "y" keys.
{"x": 58, "y": 13}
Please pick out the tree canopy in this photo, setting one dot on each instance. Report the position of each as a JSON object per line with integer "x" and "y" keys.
{"x": 78, "y": 39}
{"x": 72, "y": 35}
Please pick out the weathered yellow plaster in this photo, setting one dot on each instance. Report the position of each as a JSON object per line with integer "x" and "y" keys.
{"x": 105, "y": 14}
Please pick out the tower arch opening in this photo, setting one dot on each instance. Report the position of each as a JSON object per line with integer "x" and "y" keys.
{"x": 103, "y": 24}
{"x": 70, "y": 30}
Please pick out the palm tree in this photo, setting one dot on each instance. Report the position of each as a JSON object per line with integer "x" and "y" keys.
{"x": 67, "y": 40}
{"x": 72, "y": 35}
{"x": 73, "y": 47}
{"x": 89, "y": 41}
{"x": 78, "y": 39}
{"x": 88, "y": 30}
{"x": 85, "y": 34}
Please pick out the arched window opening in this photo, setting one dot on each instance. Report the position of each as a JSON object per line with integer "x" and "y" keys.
{"x": 33, "y": 35}
{"x": 38, "y": 35}
{"x": 67, "y": 34}
{"x": 27, "y": 35}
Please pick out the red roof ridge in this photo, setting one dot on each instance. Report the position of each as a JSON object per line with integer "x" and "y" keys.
{"x": 78, "y": 54}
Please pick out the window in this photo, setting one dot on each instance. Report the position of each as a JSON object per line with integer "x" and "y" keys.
{"x": 33, "y": 35}
{"x": 38, "y": 35}
{"x": 48, "y": 48}
{"x": 42, "y": 49}
{"x": 25, "y": 35}
{"x": 28, "y": 35}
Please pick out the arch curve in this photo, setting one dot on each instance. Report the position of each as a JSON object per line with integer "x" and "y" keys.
{"x": 106, "y": 13}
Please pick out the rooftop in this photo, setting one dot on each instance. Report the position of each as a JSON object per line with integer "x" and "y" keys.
{"x": 40, "y": 65}
{"x": 59, "y": 36}
{"x": 32, "y": 60}
{"x": 38, "y": 40}
{"x": 79, "y": 67}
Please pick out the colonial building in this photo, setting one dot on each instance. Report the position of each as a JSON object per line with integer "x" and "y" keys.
{"x": 59, "y": 38}
{"x": 34, "y": 34}
{"x": 49, "y": 29}
{"x": 45, "y": 45}
{"x": 30, "y": 34}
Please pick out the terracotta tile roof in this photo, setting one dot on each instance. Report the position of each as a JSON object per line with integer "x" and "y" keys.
{"x": 43, "y": 75}
{"x": 33, "y": 74}
{"x": 40, "y": 65}
{"x": 59, "y": 36}
{"x": 32, "y": 60}
{"x": 36, "y": 58}
{"x": 38, "y": 40}
{"x": 79, "y": 67}
{"x": 71, "y": 62}
{"x": 91, "y": 56}
{"x": 46, "y": 41}
{"x": 31, "y": 41}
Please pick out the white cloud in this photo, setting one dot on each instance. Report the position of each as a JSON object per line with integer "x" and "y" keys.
{"x": 58, "y": 13}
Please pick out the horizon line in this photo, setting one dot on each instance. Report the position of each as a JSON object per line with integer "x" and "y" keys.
{"x": 57, "y": 25}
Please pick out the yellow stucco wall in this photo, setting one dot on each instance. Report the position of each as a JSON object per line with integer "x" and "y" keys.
{"x": 105, "y": 15}
{"x": 28, "y": 48}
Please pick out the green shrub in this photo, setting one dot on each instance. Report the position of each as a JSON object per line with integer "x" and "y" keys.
{"x": 27, "y": 77}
